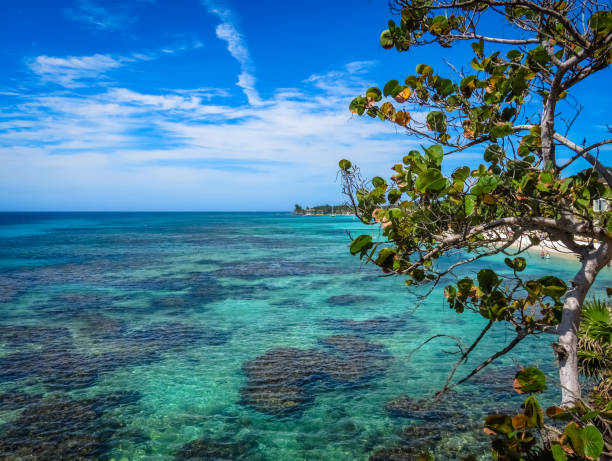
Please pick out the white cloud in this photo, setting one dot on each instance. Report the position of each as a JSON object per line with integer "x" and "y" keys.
{"x": 73, "y": 71}
{"x": 177, "y": 149}
{"x": 236, "y": 46}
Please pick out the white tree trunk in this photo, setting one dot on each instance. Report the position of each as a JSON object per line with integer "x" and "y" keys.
{"x": 567, "y": 348}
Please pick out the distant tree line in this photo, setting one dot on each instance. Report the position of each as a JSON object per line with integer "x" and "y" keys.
{"x": 323, "y": 209}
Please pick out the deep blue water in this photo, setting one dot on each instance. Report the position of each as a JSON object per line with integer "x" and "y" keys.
{"x": 231, "y": 336}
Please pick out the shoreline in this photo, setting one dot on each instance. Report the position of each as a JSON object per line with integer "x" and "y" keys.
{"x": 554, "y": 249}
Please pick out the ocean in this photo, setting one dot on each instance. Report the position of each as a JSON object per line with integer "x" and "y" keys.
{"x": 255, "y": 336}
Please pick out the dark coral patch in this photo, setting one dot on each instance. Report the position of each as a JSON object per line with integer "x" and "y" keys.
{"x": 377, "y": 325}
{"x": 21, "y": 335}
{"x": 283, "y": 380}
{"x": 60, "y": 428}
{"x": 349, "y": 300}
{"x": 219, "y": 449}
{"x": 264, "y": 268}
{"x": 15, "y": 400}
{"x": 102, "y": 327}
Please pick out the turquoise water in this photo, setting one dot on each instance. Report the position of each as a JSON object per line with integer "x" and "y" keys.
{"x": 231, "y": 336}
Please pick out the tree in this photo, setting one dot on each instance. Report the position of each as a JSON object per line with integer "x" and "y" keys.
{"x": 511, "y": 107}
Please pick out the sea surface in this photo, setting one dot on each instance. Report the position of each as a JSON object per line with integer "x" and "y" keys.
{"x": 252, "y": 336}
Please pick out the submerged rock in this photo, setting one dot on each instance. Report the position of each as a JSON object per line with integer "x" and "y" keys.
{"x": 15, "y": 400}
{"x": 21, "y": 335}
{"x": 102, "y": 327}
{"x": 349, "y": 300}
{"x": 176, "y": 335}
{"x": 60, "y": 428}
{"x": 209, "y": 449}
{"x": 377, "y": 325}
{"x": 283, "y": 380}
{"x": 400, "y": 453}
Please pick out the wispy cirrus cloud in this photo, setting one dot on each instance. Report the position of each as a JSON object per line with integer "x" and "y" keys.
{"x": 103, "y": 15}
{"x": 98, "y": 16}
{"x": 73, "y": 71}
{"x": 196, "y": 143}
{"x": 236, "y": 45}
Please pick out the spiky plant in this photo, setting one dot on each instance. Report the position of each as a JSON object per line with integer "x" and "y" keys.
{"x": 595, "y": 348}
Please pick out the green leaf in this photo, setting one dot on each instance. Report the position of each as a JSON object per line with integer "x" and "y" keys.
{"x": 377, "y": 181}
{"x": 358, "y": 105}
{"x": 529, "y": 380}
{"x": 435, "y": 154}
{"x": 553, "y": 287}
{"x": 573, "y": 433}
{"x": 465, "y": 286}
{"x": 518, "y": 264}
{"x": 436, "y": 121}
{"x": 533, "y": 412}
{"x": 485, "y": 185}
{"x": 360, "y": 243}
{"x": 593, "y": 442}
{"x": 344, "y": 164}
{"x": 470, "y": 203}
{"x": 432, "y": 180}
{"x": 494, "y": 153}
{"x": 424, "y": 69}
{"x": 501, "y": 130}
{"x": 461, "y": 174}
{"x": 487, "y": 280}
{"x": 394, "y": 195}
{"x": 558, "y": 453}
{"x": 390, "y": 87}
{"x": 386, "y": 39}
{"x": 373, "y": 93}
{"x": 500, "y": 423}
{"x": 478, "y": 48}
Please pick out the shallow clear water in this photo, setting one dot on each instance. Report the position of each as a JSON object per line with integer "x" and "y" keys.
{"x": 233, "y": 336}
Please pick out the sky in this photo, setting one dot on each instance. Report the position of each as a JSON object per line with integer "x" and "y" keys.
{"x": 200, "y": 105}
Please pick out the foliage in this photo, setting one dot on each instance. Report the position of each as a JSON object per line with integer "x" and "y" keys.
{"x": 507, "y": 107}
{"x": 515, "y": 436}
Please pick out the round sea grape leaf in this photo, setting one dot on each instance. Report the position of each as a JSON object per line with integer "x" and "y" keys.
{"x": 358, "y": 105}
{"x": 501, "y": 130}
{"x": 573, "y": 433}
{"x": 424, "y": 69}
{"x": 558, "y": 453}
{"x": 360, "y": 242}
{"x": 435, "y": 153}
{"x": 374, "y": 93}
{"x": 593, "y": 442}
{"x": 494, "y": 153}
{"x": 553, "y": 286}
{"x": 498, "y": 424}
{"x": 529, "y": 380}
{"x": 436, "y": 121}
{"x": 518, "y": 264}
{"x": 402, "y": 118}
{"x": 394, "y": 195}
{"x": 432, "y": 180}
{"x": 487, "y": 280}
{"x": 389, "y": 88}
{"x": 344, "y": 164}
{"x": 485, "y": 185}
{"x": 377, "y": 181}
{"x": 386, "y": 39}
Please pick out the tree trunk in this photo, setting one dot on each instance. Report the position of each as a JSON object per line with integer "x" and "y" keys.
{"x": 567, "y": 347}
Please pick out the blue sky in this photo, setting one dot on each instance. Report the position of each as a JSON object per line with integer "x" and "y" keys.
{"x": 197, "y": 104}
